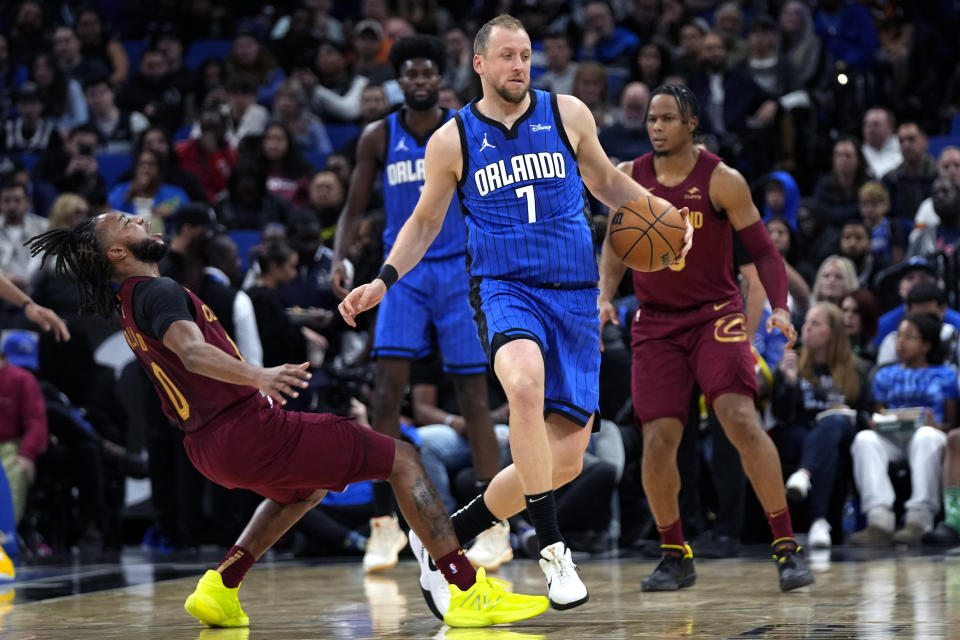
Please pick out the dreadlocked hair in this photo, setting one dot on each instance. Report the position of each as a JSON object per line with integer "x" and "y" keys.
{"x": 80, "y": 257}
{"x": 687, "y": 103}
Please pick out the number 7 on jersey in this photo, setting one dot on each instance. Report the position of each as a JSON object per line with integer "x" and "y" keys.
{"x": 527, "y": 192}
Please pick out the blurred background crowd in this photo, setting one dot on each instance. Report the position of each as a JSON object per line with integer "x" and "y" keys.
{"x": 232, "y": 126}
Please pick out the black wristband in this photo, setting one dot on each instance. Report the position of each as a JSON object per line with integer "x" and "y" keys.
{"x": 388, "y": 273}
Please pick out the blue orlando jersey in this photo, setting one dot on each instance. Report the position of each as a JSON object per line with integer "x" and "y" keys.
{"x": 525, "y": 205}
{"x": 403, "y": 176}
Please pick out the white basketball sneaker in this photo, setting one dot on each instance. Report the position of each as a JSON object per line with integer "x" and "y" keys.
{"x": 386, "y": 541}
{"x": 435, "y": 588}
{"x": 492, "y": 547}
{"x": 565, "y": 590}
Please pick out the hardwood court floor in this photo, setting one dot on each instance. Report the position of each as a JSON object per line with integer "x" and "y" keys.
{"x": 914, "y": 597}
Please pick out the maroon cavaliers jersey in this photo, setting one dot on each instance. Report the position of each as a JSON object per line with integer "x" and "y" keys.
{"x": 189, "y": 399}
{"x": 706, "y": 274}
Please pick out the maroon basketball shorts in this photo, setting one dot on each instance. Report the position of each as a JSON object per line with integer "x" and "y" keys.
{"x": 672, "y": 350}
{"x": 286, "y": 455}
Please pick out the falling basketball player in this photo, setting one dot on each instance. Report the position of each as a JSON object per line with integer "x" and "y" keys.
{"x": 515, "y": 157}
{"x": 237, "y": 433}
{"x": 690, "y": 327}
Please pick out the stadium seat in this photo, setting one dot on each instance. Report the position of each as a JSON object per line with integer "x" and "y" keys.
{"x": 939, "y": 143}
{"x": 182, "y": 133}
{"x": 202, "y": 50}
{"x": 955, "y": 126}
{"x": 134, "y": 49}
{"x": 316, "y": 158}
{"x": 28, "y": 160}
{"x": 340, "y": 134}
{"x": 112, "y": 166}
{"x": 245, "y": 240}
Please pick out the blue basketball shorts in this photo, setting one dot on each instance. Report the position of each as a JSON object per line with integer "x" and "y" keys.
{"x": 563, "y": 322}
{"x": 432, "y": 294}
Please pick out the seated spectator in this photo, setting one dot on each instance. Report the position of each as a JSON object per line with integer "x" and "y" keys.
{"x": 652, "y": 65}
{"x": 30, "y": 132}
{"x": 27, "y": 27}
{"x": 948, "y": 531}
{"x": 881, "y": 148}
{"x": 860, "y": 319}
{"x": 917, "y": 380}
{"x": 763, "y": 64}
{"x": 232, "y": 306}
{"x": 327, "y": 195}
{"x": 74, "y": 169}
{"x": 244, "y": 116}
{"x": 69, "y": 58}
{"x": 948, "y": 165}
{"x": 781, "y": 197}
{"x": 590, "y": 86}
{"x": 459, "y": 74}
{"x": 737, "y": 112}
{"x": 288, "y": 172}
{"x": 171, "y": 44}
{"x": 728, "y": 23}
{"x": 97, "y": 44}
{"x": 10, "y": 78}
{"x": 207, "y": 88}
{"x": 799, "y": 271}
{"x": 17, "y": 225}
{"x": 367, "y": 43}
{"x": 803, "y": 49}
{"x": 603, "y": 41}
{"x": 283, "y": 341}
{"x": 249, "y": 57}
{"x": 856, "y": 246}
{"x": 148, "y": 194}
{"x": 909, "y": 184}
{"x": 561, "y": 68}
{"x": 910, "y": 272}
{"x": 62, "y": 96}
{"x": 848, "y": 31}
{"x": 835, "y": 278}
{"x": 156, "y": 139}
{"x": 292, "y": 108}
{"x": 298, "y": 37}
{"x": 816, "y": 237}
{"x": 812, "y": 436}
{"x": 50, "y": 289}
{"x": 333, "y": 87}
{"x": 117, "y": 128}
{"x": 887, "y": 239}
{"x": 627, "y": 137}
{"x": 943, "y": 238}
{"x": 311, "y": 288}
{"x": 837, "y": 191}
{"x": 929, "y": 298}
{"x": 209, "y": 157}
{"x": 23, "y": 421}
{"x": 152, "y": 92}
{"x": 247, "y": 204}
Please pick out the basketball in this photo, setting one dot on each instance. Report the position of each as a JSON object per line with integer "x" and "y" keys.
{"x": 645, "y": 239}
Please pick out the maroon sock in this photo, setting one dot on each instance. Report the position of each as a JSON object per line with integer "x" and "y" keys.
{"x": 782, "y": 529}
{"x": 457, "y": 569}
{"x": 671, "y": 538}
{"x": 234, "y": 566}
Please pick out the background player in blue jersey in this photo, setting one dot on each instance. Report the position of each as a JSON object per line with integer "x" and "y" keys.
{"x": 517, "y": 157}
{"x": 434, "y": 293}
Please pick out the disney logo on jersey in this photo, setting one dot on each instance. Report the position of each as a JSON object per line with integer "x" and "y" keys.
{"x": 540, "y": 127}
{"x": 404, "y": 171}
{"x": 522, "y": 168}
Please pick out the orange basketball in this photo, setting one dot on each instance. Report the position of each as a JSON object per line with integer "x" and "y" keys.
{"x": 647, "y": 240}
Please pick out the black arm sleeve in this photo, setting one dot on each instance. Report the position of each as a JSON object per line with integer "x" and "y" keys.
{"x": 740, "y": 254}
{"x": 157, "y": 304}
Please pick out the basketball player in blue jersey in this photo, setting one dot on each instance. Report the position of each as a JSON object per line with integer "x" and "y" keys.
{"x": 434, "y": 293}
{"x": 516, "y": 158}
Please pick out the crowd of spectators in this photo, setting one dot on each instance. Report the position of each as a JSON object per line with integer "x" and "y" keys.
{"x": 232, "y": 126}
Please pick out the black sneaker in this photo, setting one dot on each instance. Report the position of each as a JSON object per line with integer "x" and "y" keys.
{"x": 674, "y": 572}
{"x": 943, "y": 535}
{"x": 792, "y": 566}
{"x": 713, "y": 545}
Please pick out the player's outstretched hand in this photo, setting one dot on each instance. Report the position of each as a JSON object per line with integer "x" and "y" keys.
{"x": 364, "y": 297}
{"x": 780, "y": 319}
{"x": 47, "y": 319}
{"x": 284, "y": 380}
{"x": 687, "y": 236}
{"x": 338, "y": 276}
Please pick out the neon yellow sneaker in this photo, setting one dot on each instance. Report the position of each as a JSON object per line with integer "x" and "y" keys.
{"x": 7, "y": 572}
{"x": 214, "y": 604}
{"x": 486, "y": 603}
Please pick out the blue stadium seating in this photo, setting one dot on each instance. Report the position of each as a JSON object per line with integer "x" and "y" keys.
{"x": 203, "y": 50}
{"x": 938, "y": 143}
{"x": 340, "y": 134}
{"x": 112, "y": 165}
{"x": 134, "y": 49}
{"x": 245, "y": 241}
{"x": 316, "y": 158}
